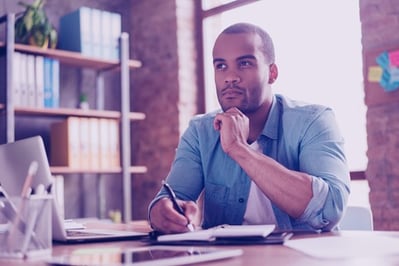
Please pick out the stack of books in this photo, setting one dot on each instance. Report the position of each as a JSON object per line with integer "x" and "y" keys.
{"x": 86, "y": 143}
{"x": 36, "y": 81}
{"x": 92, "y": 32}
{"x": 58, "y": 192}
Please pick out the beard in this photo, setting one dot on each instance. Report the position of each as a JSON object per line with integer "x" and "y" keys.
{"x": 235, "y": 96}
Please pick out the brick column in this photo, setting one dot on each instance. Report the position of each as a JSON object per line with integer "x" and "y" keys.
{"x": 379, "y": 33}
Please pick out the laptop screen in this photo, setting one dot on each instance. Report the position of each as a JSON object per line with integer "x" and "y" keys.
{"x": 15, "y": 160}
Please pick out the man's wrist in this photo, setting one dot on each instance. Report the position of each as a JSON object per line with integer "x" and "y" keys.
{"x": 150, "y": 209}
{"x": 238, "y": 150}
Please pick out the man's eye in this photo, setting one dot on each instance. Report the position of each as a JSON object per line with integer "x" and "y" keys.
{"x": 245, "y": 63}
{"x": 220, "y": 66}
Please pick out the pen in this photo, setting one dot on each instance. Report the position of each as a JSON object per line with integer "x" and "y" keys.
{"x": 26, "y": 189}
{"x": 36, "y": 209}
{"x": 177, "y": 207}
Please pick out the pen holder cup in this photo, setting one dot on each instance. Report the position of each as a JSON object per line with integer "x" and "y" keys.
{"x": 25, "y": 227}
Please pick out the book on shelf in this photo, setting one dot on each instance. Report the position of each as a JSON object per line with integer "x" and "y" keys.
{"x": 58, "y": 193}
{"x": 106, "y": 36}
{"x": 94, "y": 145}
{"x": 75, "y": 31}
{"x": 105, "y": 144}
{"x": 116, "y": 30}
{"x": 65, "y": 143}
{"x": 55, "y": 83}
{"x": 30, "y": 80}
{"x": 51, "y": 82}
{"x": 85, "y": 143}
{"x": 23, "y": 83}
{"x": 47, "y": 82}
{"x": 39, "y": 81}
{"x": 114, "y": 143}
{"x": 95, "y": 32}
{"x": 35, "y": 81}
{"x": 91, "y": 32}
{"x": 17, "y": 77}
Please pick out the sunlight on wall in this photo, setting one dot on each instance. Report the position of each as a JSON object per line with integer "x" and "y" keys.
{"x": 318, "y": 52}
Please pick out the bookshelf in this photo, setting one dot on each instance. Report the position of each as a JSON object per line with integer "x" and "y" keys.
{"x": 65, "y": 112}
{"x": 10, "y": 113}
{"x": 73, "y": 58}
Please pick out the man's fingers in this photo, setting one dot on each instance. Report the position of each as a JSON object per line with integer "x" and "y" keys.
{"x": 166, "y": 219}
{"x": 217, "y": 122}
{"x": 190, "y": 210}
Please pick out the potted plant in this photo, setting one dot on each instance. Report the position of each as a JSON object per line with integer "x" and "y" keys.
{"x": 33, "y": 27}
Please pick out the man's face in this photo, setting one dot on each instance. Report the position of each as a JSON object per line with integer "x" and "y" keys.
{"x": 241, "y": 72}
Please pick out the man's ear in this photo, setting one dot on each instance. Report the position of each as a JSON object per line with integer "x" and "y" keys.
{"x": 273, "y": 73}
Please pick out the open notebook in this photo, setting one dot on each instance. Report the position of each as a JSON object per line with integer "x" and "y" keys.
{"x": 225, "y": 235}
{"x": 223, "y": 231}
{"x": 15, "y": 159}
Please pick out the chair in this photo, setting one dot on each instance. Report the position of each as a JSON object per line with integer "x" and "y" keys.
{"x": 357, "y": 218}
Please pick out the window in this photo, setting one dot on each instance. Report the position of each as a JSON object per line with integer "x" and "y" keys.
{"x": 208, "y": 4}
{"x": 318, "y": 53}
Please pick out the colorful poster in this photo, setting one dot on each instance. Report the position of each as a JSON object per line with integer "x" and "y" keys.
{"x": 389, "y": 63}
{"x": 394, "y": 58}
{"x": 374, "y": 74}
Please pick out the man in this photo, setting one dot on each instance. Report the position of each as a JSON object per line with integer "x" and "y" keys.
{"x": 264, "y": 158}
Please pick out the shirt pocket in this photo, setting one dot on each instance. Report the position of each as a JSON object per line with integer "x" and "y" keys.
{"x": 215, "y": 204}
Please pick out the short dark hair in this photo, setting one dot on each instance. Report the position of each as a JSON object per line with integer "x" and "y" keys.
{"x": 267, "y": 42}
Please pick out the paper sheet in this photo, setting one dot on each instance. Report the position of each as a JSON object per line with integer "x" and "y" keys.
{"x": 335, "y": 247}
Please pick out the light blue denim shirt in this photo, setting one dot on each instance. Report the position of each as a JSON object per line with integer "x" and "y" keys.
{"x": 300, "y": 136}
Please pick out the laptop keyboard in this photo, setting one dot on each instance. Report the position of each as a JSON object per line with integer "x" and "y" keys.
{"x": 75, "y": 233}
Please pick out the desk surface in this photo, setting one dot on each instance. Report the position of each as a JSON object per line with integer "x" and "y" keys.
{"x": 255, "y": 254}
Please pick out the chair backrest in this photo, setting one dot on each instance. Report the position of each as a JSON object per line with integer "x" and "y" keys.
{"x": 357, "y": 218}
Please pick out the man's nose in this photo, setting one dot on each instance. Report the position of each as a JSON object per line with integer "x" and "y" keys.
{"x": 232, "y": 78}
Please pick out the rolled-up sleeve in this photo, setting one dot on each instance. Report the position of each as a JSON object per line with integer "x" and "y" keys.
{"x": 322, "y": 156}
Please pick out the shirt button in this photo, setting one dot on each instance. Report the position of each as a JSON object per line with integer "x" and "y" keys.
{"x": 240, "y": 200}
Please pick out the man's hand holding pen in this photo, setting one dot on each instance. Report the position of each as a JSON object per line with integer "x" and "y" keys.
{"x": 168, "y": 218}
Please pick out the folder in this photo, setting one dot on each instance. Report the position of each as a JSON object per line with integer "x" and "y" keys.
{"x": 75, "y": 31}
{"x": 65, "y": 143}
{"x": 39, "y": 81}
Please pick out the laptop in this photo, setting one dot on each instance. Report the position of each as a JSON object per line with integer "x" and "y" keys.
{"x": 15, "y": 161}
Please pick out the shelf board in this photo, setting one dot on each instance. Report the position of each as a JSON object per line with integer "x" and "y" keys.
{"x": 116, "y": 170}
{"x": 64, "y": 112}
{"x": 73, "y": 58}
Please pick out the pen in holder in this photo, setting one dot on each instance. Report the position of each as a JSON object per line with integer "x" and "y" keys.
{"x": 27, "y": 232}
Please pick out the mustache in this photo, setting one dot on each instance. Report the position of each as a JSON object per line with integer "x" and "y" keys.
{"x": 232, "y": 87}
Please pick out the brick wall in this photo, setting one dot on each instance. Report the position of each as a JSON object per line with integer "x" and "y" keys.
{"x": 165, "y": 88}
{"x": 379, "y": 19}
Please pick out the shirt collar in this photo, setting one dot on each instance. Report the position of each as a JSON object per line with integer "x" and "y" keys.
{"x": 271, "y": 127}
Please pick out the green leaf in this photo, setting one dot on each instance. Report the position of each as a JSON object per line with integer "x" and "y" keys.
{"x": 21, "y": 33}
{"x": 33, "y": 26}
{"x": 28, "y": 20}
{"x": 53, "y": 38}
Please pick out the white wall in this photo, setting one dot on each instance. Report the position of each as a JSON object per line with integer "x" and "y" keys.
{"x": 318, "y": 52}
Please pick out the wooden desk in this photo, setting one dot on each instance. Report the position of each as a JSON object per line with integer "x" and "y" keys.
{"x": 252, "y": 254}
